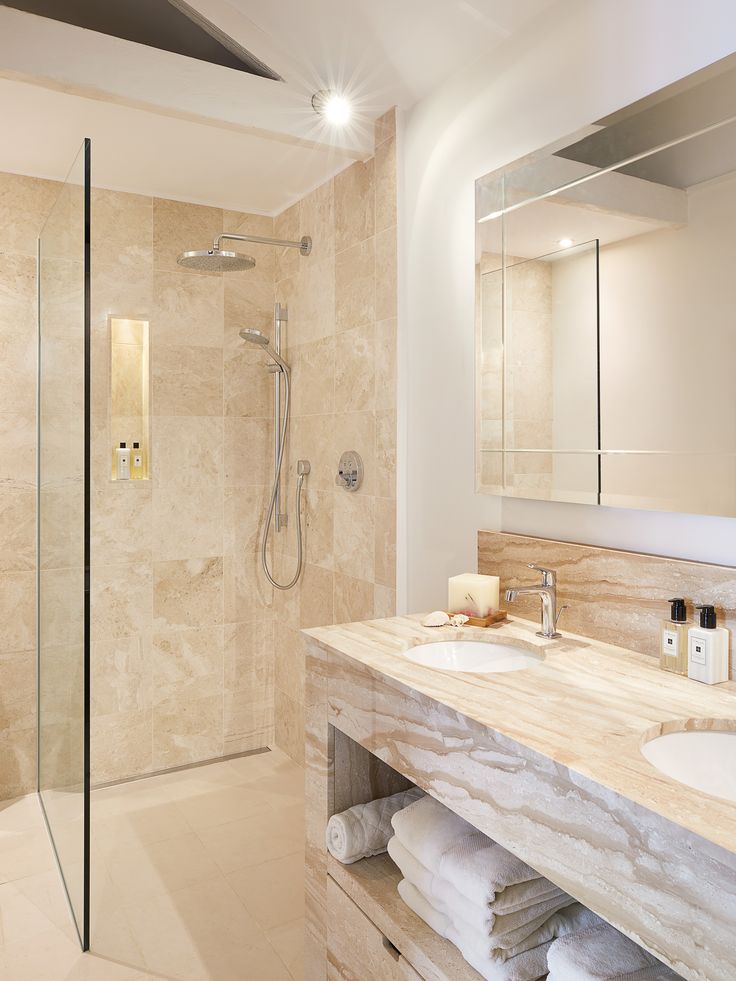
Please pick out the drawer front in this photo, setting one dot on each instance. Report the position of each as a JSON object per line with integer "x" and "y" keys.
{"x": 356, "y": 948}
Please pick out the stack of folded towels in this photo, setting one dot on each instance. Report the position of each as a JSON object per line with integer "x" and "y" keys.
{"x": 601, "y": 953}
{"x": 499, "y": 912}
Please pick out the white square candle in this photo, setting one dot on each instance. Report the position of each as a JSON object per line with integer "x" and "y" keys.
{"x": 473, "y": 595}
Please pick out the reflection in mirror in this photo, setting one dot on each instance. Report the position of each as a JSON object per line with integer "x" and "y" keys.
{"x": 605, "y": 291}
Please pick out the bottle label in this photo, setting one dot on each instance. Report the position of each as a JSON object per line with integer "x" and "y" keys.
{"x": 698, "y": 650}
{"x": 670, "y": 643}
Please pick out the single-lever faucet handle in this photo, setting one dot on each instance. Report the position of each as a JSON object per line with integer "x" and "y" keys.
{"x": 549, "y": 576}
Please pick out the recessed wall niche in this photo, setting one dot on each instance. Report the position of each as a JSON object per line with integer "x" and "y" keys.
{"x": 129, "y": 398}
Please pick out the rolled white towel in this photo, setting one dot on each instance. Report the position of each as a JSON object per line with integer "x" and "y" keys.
{"x": 527, "y": 966}
{"x": 601, "y": 953}
{"x": 511, "y": 932}
{"x": 457, "y": 852}
{"x": 655, "y": 973}
{"x": 365, "y": 829}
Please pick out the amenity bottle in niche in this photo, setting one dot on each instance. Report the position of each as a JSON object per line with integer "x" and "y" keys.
{"x": 673, "y": 634}
{"x": 137, "y": 468}
{"x": 122, "y": 462}
{"x": 708, "y": 649}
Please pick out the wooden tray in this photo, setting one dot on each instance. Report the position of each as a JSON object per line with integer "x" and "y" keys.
{"x": 490, "y": 621}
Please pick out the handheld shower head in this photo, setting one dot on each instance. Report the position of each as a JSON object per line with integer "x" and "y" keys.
{"x": 216, "y": 260}
{"x": 254, "y": 336}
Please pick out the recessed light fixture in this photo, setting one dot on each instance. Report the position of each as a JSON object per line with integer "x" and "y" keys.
{"x": 335, "y": 108}
{"x": 565, "y": 243}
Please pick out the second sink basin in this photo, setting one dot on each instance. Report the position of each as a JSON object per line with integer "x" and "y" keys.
{"x": 472, "y": 656}
{"x": 704, "y": 759}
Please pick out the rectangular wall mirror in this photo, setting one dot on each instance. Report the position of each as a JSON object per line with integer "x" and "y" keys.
{"x": 605, "y": 309}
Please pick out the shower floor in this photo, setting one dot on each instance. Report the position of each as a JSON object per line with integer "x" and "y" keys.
{"x": 196, "y": 875}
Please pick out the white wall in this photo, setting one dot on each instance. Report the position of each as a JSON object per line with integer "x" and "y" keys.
{"x": 583, "y": 59}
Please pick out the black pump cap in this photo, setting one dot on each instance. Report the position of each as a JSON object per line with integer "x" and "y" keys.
{"x": 136, "y": 446}
{"x": 122, "y": 446}
{"x": 707, "y": 617}
{"x": 679, "y": 610}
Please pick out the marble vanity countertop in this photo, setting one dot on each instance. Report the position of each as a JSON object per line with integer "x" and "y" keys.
{"x": 588, "y": 706}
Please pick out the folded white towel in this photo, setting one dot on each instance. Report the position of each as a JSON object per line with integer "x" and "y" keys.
{"x": 512, "y": 932}
{"x": 601, "y": 953}
{"x": 365, "y": 829}
{"x": 455, "y": 851}
{"x": 527, "y": 966}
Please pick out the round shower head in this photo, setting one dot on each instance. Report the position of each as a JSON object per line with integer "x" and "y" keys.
{"x": 254, "y": 336}
{"x": 216, "y": 260}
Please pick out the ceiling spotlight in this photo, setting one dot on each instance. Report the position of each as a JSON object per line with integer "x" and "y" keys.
{"x": 335, "y": 108}
{"x": 565, "y": 243}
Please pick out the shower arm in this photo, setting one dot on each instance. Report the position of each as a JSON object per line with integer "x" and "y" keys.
{"x": 304, "y": 244}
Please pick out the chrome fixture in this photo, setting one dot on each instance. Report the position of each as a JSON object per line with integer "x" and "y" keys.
{"x": 218, "y": 259}
{"x": 280, "y": 370}
{"x": 350, "y": 471}
{"x": 547, "y": 592}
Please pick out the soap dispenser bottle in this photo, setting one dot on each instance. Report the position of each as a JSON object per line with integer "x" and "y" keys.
{"x": 708, "y": 649}
{"x": 673, "y": 634}
{"x": 122, "y": 462}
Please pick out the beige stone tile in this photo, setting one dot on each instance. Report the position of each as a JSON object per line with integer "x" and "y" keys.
{"x": 384, "y": 127}
{"x": 249, "y": 655}
{"x": 17, "y": 762}
{"x": 121, "y": 745}
{"x": 187, "y": 727}
{"x": 188, "y": 309}
{"x": 288, "y": 942}
{"x": 244, "y": 223}
{"x": 247, "y": 595}
{"x": 188, "y": 593}
{"x": 312, "y": 377}
{"x": 286, "y": 226}
{"x": 18, "y": 448}
{"x": 17, "y": 528}
{"x": 249, "y": 302}
{"x": 356, "y": 431}
{"x": 355, "y": 365}
{"x": 121, "y": 600}
{"x": 54, "y": 956}
{"x": 272, "y": 892}
{"x": 290, "y": 726}
{"x": 114, "y": 836}
{"x": 310, "y": 296}
{"x": 17, "y": 334}
{"x": 385, "y": 364}
{"x": 353, "y": 599}
{"x": 179, "y": 226}
{"x": 385, "y": 459}
{"x": 160, "y": 867}
{"x": 318, "y": 524}
{"x": 187, "y": 381}
{"x": 24, "y": 853}
{"x": 121, "y": 675}
{"x": 289, "y": 662}
{"x": 260, "y": 838}
{"x": 120, "y": 288}
{"x": 17, "y": 611}
{"x": 248, "y": 385}
{"x": 385, "y": 542}
{"x": 122, "y": 226}
{"x": 355, "y": 535}
{"x": 386, "y": 184}
{"x": 355, "y": 285}
{"x": 248, "y": 451}
{"x": 245, "y": 514}
{"x": 315, "y": 597}
{"x": 314, "y": 438}
{"x": 216, "y": 806}
{"x": 386, "y": 274}
{"x": 317, "y": 219}
{"x": 25, "y": 203}
{"x": 354, "y": 204}
{"x": 187, "y": 660}
{"x": 384, "y": 601}
{"x": 121, "y": 520}
{"x": 248, "y": 719}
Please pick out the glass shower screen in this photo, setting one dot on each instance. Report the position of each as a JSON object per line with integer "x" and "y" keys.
{"x": 63, "y": 531}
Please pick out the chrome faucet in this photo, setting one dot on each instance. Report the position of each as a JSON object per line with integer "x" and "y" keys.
{"x": 547, "y": 592}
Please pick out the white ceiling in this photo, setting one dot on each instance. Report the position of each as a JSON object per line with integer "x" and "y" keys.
{"x": 168, "y": 125}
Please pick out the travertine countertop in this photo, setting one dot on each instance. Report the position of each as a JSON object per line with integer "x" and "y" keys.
{"x": 587, "y": 706}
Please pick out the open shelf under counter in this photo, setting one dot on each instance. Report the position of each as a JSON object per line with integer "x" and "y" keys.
{"x": 372, "y": 885}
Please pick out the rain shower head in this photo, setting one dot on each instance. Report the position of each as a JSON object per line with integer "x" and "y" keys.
{"x": 216, "y": 260}
{"x": 254, "y": 336}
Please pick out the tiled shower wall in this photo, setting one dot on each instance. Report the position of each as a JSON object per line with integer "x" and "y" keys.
{"x": 341, "y": 342}
{"x": 193, "y": 656}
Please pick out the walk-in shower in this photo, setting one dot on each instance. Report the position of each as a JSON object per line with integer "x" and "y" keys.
{"x": 217, "y": 259}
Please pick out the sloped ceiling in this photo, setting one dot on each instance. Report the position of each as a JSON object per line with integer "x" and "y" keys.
{"x": 172, "y": 125}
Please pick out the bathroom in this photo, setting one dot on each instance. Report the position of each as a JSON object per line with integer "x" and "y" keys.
{"x": 400, "y": 250}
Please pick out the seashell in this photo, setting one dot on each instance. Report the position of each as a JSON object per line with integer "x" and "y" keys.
{"x": 436, "y": 619}
{"x": 458, "y": 620}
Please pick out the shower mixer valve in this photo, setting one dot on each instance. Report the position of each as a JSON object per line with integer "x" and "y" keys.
{"x": 350, "y": 471}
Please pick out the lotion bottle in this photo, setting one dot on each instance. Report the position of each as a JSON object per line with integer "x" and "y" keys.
{"x": 673, "y": 639}
{"x": 122, "y": 462}
{"x": 136, "y": 463}
{"x": 708, "y": 649}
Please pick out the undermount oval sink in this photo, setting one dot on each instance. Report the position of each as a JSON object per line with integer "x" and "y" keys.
{"x": 473, "y": 656}
{"x": 704, "y": 759}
